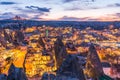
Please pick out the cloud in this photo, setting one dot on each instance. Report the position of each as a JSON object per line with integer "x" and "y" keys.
{"x": 74, "y": 8}
{"x": 6, "y": 15}
{"x": 107, "y": 17}
{"x": 117, "y": 4}
{"x": 67, "y": 1}
{"x": 66, "y": 18}
{"x": 79, "y": 7}
{"x": 44, "y": 9}
{"x": 36, "y": 17}
{"x": 26, "y": 11}
{"x": 34, "y": 12}
{"x": 114, "y": 5}
{"x": 117, "y": 15}
{"x": 7, "y": 3}
{"x": 82, "y": 8}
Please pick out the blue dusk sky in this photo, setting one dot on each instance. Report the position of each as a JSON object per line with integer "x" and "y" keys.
{"x": 63, "y": 10}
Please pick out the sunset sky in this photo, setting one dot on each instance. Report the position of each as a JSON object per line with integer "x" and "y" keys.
{"x": 65, "y": 10}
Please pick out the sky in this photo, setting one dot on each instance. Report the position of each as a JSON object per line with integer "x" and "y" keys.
{"x": 61, "y": 10}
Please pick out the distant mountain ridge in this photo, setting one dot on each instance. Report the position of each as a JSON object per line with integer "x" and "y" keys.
{"x": 76, "y": 24}
{"x": 17, "y": 18}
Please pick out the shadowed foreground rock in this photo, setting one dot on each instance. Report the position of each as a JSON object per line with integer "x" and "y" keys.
{"x": 3, "y": 77}
{"x": 47, "y": 76}
{"x": 71, "y": 68}
{"x": 16, "y": 73}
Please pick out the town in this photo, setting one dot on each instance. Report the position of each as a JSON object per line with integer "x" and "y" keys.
{"x": 59, "y": 39}
{"x": 43, "y": 52}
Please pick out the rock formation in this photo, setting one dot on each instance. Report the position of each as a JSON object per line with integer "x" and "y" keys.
{"x": 19, "y": 36}
{"x": 93, "y": 65}
{"x": 7, "y": 37}
{"x": 60, "y": 51}
{"x": 41, "y": 42}
{"x": 3, "y": 41}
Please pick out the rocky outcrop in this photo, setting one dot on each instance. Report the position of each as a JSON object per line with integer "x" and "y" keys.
{"x": 18, "y": 18}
